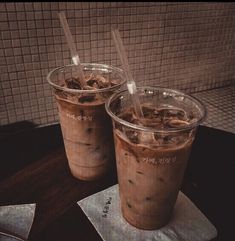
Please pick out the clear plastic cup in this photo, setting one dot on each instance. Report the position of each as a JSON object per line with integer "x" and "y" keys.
{"x": 151, "y": 160}
{"x": 85, "y": 125}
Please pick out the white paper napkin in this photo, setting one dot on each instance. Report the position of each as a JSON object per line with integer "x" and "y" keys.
{"x": 17, "y": 218}
{"x": 188, "y": 223}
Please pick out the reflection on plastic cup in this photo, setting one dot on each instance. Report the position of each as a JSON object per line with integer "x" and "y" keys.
{"x": 152, "y": 153}
{"x": 85, "y": 125}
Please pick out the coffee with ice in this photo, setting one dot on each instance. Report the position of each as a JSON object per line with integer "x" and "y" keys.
{"x": 152, "y": 152}
{"x": 85, "y": 125}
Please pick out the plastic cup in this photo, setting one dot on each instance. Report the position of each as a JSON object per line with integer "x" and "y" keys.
{"x": 151, "y": 161}
{"x": 85, "y": 125}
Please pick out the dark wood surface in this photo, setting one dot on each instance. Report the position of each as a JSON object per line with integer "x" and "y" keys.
{"x": 34, "y": 169}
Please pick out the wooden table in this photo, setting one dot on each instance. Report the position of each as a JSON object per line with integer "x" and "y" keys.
{"x": 34, "y": 169}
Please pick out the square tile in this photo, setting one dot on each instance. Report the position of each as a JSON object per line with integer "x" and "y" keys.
{"x": 161, "y": 47}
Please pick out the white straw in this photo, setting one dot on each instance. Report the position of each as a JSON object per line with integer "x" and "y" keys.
{"x": 131, "y": 86}
{"x": 72, "y": 47}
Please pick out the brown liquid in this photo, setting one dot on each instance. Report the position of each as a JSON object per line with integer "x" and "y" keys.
{"x": 87, "y": 133}
{"x": 150, "y": 171}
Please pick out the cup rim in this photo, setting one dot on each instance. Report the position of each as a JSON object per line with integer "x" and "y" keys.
{"x": 93, "y": 65}
{"x": 199, "y": 103}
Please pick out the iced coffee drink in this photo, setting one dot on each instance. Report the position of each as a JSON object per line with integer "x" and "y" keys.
{"x": 85, "y": 125}
{"x": 152, "y": 152}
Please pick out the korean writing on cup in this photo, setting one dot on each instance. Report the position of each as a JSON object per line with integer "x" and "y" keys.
{"x": 161, "y": 160}
{"x": 79, "y": 117}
